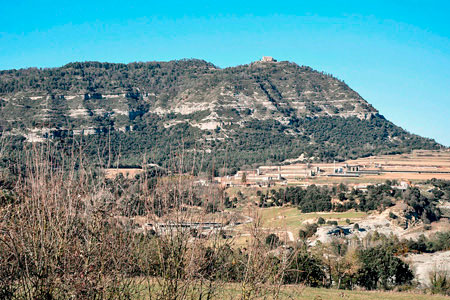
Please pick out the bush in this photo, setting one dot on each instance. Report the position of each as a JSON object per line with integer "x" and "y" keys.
{"x": 392, "y": 215}
{"x": 302, "y": 234}
{"x": 321, "y": 221}
{"x": 439, "y": 282}
{"x": 310, "y": 229}
{"x": 272, "y": 240}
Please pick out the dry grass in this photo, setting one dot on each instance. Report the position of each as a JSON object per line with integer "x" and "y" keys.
{"x": 231, "y": 291}
{"x": 408, "y": 176}
{"x": 332, "y": 294}
{"x": 65, "y": 235}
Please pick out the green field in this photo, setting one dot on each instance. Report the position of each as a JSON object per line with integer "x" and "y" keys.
{"x": 290, "y": 218}
{"x": 275, "y": 219}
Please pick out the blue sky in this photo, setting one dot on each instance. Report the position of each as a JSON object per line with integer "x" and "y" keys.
{"x": 396, "y": 54}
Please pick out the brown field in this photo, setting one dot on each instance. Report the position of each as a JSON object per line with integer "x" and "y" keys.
{"x": 417, "y": 158}
{"x": 407, "y": 176}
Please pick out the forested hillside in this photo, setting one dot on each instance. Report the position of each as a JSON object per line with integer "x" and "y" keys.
{"x": 263, "y": 112}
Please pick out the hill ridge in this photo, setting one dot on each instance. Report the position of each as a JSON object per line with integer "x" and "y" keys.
{"x": 280, "y": 102}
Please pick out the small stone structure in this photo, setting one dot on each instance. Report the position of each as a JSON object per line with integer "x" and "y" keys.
{"x": 268, "y": 59}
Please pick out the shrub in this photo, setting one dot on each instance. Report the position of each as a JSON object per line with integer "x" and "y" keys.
{"x": 439, "y": 282}
{"x": 302, "y": 234}
{"x": 272, "y": 240}
{"x": 310, "y": 229}
{"x": 392, "y": 215}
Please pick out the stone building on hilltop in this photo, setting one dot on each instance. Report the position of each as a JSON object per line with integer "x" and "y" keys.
{"x": 268, "y": 59}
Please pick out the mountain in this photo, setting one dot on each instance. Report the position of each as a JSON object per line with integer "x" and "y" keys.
{"x": 263, "y": 112}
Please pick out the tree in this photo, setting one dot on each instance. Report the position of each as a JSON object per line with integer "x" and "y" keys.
{"x": 381, "y": 269}
{"x": 244, "y": 178}
{"x": 305, "y": 269}
{"x": 341, "y": 264}
{"x": 342, "y": 197}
